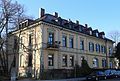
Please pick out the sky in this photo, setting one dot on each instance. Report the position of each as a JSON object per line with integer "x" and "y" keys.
{"x": 103, "y": 15}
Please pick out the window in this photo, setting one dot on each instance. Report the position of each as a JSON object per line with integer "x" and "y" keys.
{"x": 95, "y": 63}
{"x": 51, "y": 38}
{"x": 97, "y": 34}
{"x": 103, "y": 63}
{"x": 30, "y": 39}
{"x": 71, "y": 42}
{"x": 15, "y": 43}
{"x": 82, "y": 58}
{"x": 71, "y": 61}
{"x": 81, "y": 44}
{"x": 111, "y": 64}
{"x": 22, "y": 61}
{"x": 90, "y": 32}
{"x": 30, "y": 60}
{"x": 110, "y": 51}
{"x": 103, "y": 49}
{"x": 50, "y": 60}
{"x": 91, "y": 46}
{"x": 64, "y": 60}
{"x": 21, "y": 42}
{"x": 80, "y": 29}
{"x": 103, "y": 36}
{"x": 97, "y": 48}
{"x": 64, "y": 41}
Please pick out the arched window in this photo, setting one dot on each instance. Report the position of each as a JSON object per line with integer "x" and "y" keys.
{"x": 95, "y": 63}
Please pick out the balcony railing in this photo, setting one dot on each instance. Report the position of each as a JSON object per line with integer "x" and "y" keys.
{"x": 56, "y": 46}
{"x": 72, "y": 50}
{"x": 53, "y": 45}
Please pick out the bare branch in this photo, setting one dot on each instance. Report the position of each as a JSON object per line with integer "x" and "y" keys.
{"x": 11, "y": 14}
{"x": 115, "y": 36}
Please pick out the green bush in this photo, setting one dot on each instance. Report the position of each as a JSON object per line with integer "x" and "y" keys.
{"x": 85, "y": 69}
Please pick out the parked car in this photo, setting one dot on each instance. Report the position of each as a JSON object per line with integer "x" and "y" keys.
{"x": 110, "y": 73}
{"x": 117, "y": 73}
{"x": 96, "y": 75}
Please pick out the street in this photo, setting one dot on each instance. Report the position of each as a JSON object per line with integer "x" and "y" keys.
{"x": 117, "y": 79}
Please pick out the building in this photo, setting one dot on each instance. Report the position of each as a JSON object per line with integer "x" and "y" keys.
{"x": 51, "y": 42}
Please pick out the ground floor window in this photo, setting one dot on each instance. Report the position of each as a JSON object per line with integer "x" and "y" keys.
{"x": 95, "y": 63}
{"x": 64, "y": 60}
{"x": 111, "y": 64}
{"x": 30, "y": 60}
{"x": 71, "y": 61}
{"x": 103, "y": 63}
{"x": 21, "y": 60}
{"x": 82, "y": 58}
{"x": 50, "y": 60}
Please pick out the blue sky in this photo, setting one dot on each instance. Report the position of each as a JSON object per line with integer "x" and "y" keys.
{"x": 103, "y": 15}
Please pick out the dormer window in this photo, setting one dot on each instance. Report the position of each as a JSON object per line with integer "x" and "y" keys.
{"x": 20, "y": 25}
{"x": 103, "y": 36}
{"x": 80, "y": 29}
{"x": 56, "y": 20}
{"x": 97, "y": 34}
{"x": 90, "y": 32}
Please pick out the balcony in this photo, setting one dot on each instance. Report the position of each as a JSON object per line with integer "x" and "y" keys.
{"x": 55, "y": 45}
{"x": 72, "y": 50}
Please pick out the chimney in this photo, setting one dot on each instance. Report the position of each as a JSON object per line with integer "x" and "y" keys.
{"x": 86, "y": 25}
{"x": 56, "y": 14}
{"x": 42, "y": 12}
{"x": 77, "y": 22}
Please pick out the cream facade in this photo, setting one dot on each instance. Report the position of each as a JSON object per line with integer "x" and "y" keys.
{"x": 44, "y": 43}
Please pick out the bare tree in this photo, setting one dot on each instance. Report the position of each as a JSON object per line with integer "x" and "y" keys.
{"x": 11, "y": 13}
{"x": 115, "y": 36}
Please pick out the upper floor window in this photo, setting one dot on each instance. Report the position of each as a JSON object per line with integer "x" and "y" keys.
{"x": 97, "y": 48}
{"x": 50, "y": 60}
{"x": 51, "y": 38}
{"x": 110, "y": 51}
{"x": 64, "y": 60}
{"x": 15, "y": 43}
{"x": 81, "y": 44}
{"x": 103, "y": 49}
{"x": 64, "y": 41}
{"x": 71, "y": 42}
{"x": 71, "y": 61}
{"x": 30, "y": 39}
{"x": 91, "y": 46}
{"x": 21, "y": 42}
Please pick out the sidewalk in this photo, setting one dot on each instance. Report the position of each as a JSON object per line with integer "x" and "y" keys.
{"x": 72, "y": 79}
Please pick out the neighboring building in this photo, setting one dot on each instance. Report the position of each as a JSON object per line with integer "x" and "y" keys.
{"x": 51, "y": 42}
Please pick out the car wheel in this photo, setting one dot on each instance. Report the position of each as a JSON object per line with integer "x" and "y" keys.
{"x": 96, "y": 79}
